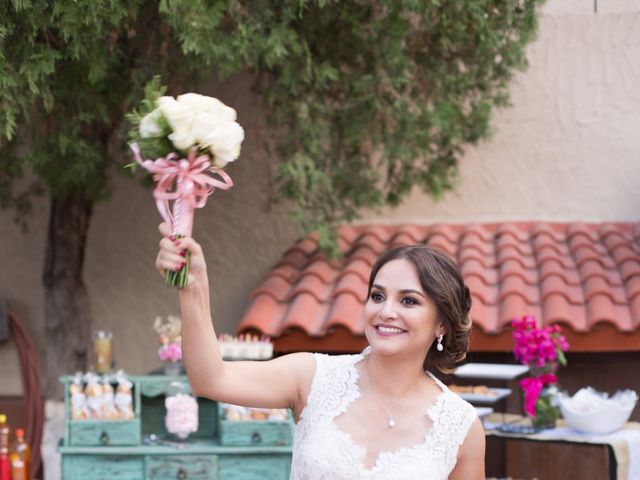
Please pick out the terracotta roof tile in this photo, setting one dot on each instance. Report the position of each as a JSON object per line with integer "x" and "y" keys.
{"x": 582, "y": 275}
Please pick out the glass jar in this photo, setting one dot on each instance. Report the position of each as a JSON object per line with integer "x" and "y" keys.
{"x": 102, "y": 350}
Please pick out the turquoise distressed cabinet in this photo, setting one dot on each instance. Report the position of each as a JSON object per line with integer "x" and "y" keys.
{"x": 219, "y": 450}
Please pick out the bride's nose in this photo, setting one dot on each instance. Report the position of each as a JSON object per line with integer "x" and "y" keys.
{"x": 388, "y": 310}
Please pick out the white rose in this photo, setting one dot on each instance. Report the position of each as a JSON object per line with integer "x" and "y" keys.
{"x": 182, "y": 139}
{"x": 203, "y": 126}
{"x": 179, "y": 116}
{"x": 149, "y": 126}
{"x": 224, "y": 143}
{"x": 204, "y": 104}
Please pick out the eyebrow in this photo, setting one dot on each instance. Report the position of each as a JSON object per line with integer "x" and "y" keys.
{"x": 404, "y": 292}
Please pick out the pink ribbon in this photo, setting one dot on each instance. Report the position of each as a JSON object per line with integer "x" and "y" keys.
{"x": 193, "y": 184}
{"x": 532, "y": 387}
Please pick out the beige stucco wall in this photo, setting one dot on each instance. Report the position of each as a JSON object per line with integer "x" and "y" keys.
{"x": 568, "y": 149}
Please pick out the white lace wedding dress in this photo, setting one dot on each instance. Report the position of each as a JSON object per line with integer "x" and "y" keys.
{"x": 322, "y": 451}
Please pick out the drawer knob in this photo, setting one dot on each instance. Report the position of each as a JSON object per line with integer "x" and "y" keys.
{"x": 182, "y": 474}
{"x": 104, "y": 438}
{"x": 256, "y": 438}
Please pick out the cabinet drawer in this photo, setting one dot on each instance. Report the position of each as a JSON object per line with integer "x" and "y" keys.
{"x": 255, "y": 467}
{"x": 102, "y": 467}
{"x": 255, "y": 433}
{"x": 181, "y": 467}
{"x": 104, "y": 432}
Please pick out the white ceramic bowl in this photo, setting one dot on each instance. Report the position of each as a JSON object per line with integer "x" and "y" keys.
{"x": 603, "y": 416}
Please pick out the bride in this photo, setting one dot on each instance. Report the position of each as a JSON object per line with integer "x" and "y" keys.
{"x": 381, "y": 414}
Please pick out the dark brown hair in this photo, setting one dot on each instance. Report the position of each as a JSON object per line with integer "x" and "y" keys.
{"x": 442, "y": 281}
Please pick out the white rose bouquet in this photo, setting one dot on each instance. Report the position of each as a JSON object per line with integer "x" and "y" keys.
{"x": 185, "y": 142}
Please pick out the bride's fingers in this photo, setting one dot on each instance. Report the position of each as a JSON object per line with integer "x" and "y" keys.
{"x": 169, "y": 261}
{"x": 188, "y": 243}
{"x": 165, "y": 229}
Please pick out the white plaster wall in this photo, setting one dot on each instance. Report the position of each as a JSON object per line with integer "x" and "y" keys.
{"x": 567, "y": 149}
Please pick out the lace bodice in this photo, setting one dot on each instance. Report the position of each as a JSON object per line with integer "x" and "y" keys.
{"x": 322, "y": 451}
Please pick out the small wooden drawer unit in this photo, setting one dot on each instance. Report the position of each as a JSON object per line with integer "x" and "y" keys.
{"x": 104, "y": 432}
{"x": 181, "y": 467}
{"x": 243, "y": 434}
{"x": 142, "y": 449}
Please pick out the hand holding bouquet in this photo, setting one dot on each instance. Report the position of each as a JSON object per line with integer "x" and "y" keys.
{"x": 192, "y": 137}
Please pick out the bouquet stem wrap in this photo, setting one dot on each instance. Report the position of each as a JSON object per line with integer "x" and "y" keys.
{"x": 187, "y": 182}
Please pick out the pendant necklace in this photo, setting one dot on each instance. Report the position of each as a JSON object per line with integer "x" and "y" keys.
{"x": 391, "y": 422}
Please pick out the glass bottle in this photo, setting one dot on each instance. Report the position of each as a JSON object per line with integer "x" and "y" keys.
{"x": 20, "y": 458}
{"x": 5, "y": 467}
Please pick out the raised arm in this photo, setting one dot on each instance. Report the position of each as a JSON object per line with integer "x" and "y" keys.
{"x": 280, "y": 383}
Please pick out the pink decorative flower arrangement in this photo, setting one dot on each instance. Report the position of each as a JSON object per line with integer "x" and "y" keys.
{"x": 542, "y": 349}
{"x": 539, "y": 348}
{"x": 169, "y": 335}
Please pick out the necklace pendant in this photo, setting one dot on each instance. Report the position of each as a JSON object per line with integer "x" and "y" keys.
{"x": 391, "y": 423}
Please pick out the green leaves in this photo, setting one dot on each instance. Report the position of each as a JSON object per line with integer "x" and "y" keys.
{"x": 368, "y": 99}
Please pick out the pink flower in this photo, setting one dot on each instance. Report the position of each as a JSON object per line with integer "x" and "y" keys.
{"x": 171, "y": 352}
{"x": 539, "y": 347}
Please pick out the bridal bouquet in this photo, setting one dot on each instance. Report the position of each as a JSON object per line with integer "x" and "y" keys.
{"x": 185, "y": 142}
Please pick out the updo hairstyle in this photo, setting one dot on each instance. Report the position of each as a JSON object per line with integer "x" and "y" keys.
{"x": 442, "y": 281}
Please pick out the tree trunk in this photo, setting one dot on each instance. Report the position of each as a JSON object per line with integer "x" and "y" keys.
{"x": 66, "y": 302}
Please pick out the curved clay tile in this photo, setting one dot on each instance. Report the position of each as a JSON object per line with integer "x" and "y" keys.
{"x": 589, "y": 233}
{"x": 607, "y": 229}
{"x": 600, "y": 308}
{"x": 556, "y": 285}
{"x": 482, "y": 231}
{"x": 599, "y": 286}
{"x": 311, "y": 284}
{"x": 287, "y": 272}
{"x": 348, "y": 233}
{"x": 514, "y": 267}
{"x": 487, "y": 294}
{"x": 306, "y": 313}
{"x": 264, "y": 314}
{"x": 321, "y": 269}
{"x": 346, "y": 311}
{"x": 357, "y": 266}
{"x": 515, "y": 285}
{"x": 547, "y": 229}
{"x": 373, "y": 242}
{"x": 633, "y": 287}
{"x": 363, "y": 252}
{"x": 474, "y": 241}
{"x": 586, "y": 254}
{"x": 441, "y": 242}
{"x": 401, "y": 240}
{"x": 553, "y": 267}
{"x": 503, "y": 242}
{"x": 275, "y": 286}
{"x": 622, "y": 253}
{"x": 306, "y": 246}
{"x": 547, "y": 255}
{"x": 542, "y": 242}
{"x": 509, "y": 252}
{"x": 514, "y": 306}
{"x": 487, "y": 261}
{"x": 484, "y": 317}
{"x": 411, "y": 234}
{"x": 592, "y": 269}
{"x": 629, "y": 269}
{"x": 512, "y": 232}
{"x": 556, "y": 308}
{"x": 634, "y": 307}
{"x": 351, "y": 284}
{"x": 451, "y": 233}
{"x": 295, "y": 258}
{"x": 381, "y": 232}
{"x": 474, "y": 268}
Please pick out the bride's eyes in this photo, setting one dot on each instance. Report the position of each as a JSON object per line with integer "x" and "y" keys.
{"x": 377, "y": 297}
{"x": 409, "y": 301}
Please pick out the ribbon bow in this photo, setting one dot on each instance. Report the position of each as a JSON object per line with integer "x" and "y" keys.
{"x": 193, "y": 184}
{"x": 532, "y": 387}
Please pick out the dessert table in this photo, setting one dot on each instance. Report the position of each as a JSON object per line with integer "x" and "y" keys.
{"x": 545, "y": 454}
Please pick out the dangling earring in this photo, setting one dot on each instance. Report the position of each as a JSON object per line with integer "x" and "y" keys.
{"x": 439, "y": 346}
